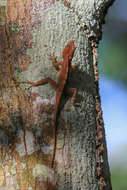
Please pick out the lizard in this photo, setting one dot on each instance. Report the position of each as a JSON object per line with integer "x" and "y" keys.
{"x": 60, "y": 86}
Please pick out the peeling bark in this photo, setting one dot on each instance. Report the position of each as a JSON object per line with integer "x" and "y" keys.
{"x": 29, "y": 31}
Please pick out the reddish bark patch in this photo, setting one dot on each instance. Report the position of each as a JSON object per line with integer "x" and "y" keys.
{"x": 44, "y": 185}
{"x": 24, "y": 62}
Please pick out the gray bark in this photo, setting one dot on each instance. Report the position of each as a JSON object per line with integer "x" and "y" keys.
{"x": 81, "y": 157}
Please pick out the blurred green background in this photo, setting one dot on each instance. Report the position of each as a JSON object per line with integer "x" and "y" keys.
{"x": 113, "y": 90}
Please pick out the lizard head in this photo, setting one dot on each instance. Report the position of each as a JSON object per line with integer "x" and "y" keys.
{"x": 69, "y": 50}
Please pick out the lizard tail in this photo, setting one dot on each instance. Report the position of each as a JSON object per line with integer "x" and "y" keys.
{"x": 54, "y": 142}
{"x": 58, "y": 99}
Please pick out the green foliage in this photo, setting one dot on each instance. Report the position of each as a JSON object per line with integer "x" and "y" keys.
{"x": 113, "y": 60}
{"x": 119, "y": 179}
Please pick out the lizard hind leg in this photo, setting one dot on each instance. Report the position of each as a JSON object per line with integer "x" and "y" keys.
{"x": 72, "y": 92}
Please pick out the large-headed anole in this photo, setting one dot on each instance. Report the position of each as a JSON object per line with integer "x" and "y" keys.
{"x": 60, "y": 86}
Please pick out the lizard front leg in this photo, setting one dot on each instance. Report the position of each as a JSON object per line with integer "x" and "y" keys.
{"x": 55, "y": 63}
{"x": 43, "y": 82}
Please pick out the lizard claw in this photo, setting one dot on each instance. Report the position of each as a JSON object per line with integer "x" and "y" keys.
{"x": 29, "y": 87}
{"x": 50, "y": 55}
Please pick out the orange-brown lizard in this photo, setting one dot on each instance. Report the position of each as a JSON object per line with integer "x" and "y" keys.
{"x": 60, "y": 86}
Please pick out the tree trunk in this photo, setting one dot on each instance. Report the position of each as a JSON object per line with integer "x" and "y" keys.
{"x": 30, "y": 30}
